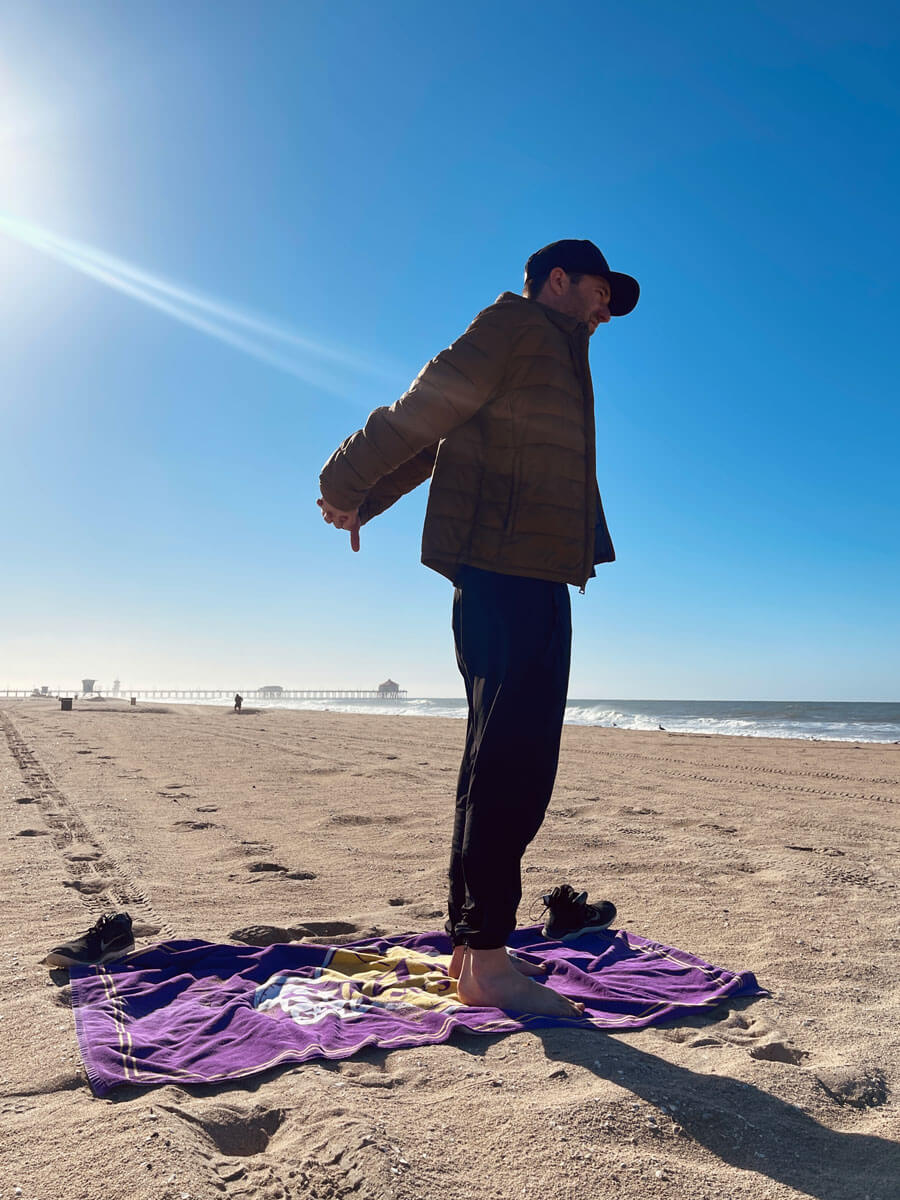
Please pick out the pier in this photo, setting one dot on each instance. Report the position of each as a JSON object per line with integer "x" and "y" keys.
{"x": 199, "y": 694}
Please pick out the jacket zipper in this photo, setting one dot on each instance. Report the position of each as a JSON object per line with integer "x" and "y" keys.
{"x": 590, "y": 485}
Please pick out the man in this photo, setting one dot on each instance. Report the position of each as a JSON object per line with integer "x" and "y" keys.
{"x": 503, "y": 423}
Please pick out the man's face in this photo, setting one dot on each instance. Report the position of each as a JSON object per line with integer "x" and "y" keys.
{"x": 590, "y": 301}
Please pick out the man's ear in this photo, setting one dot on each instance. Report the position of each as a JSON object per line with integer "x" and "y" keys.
{"x": 557, "y": 281}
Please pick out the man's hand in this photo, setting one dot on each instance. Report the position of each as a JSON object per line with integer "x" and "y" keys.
{"x": 342, "y": 520}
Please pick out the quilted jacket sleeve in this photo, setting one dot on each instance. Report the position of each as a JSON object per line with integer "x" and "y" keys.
{"x": 447, "y": 392}
{"x": 390, "y": 488}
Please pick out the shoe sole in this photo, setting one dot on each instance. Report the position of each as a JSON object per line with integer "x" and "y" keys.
{"x": 574, "y": 934}
{"x": 55, "y": 959}
{"x": 585, "y": 929}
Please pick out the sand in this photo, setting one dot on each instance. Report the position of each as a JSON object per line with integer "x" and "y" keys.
{"x": 774, "y": 856}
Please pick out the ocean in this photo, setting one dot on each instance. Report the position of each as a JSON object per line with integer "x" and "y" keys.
{"x": 832, "y": 720}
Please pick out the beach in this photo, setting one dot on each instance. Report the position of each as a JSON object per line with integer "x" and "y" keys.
{"x": 775, "y": 856}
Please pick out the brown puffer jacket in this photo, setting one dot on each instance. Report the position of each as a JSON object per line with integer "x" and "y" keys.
{"x": 503, "y": 422}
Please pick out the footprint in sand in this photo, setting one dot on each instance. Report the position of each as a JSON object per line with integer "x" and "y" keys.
{"x": 145, "y": 929}
{"x": 31, "y": 833}
{"x": 235, "y": 1132}
{"x": 832, "y": 853}
{"x": 761, "y": 1041}
{"x": 268, "y": 935}
{"x": 866, "y": 1088}
{"x": 265, "y": 866}
{"x": 77, "y": 854}
{"x": 25, "y": 800}
{"x": 86, "y": 887}
{"x": 301, "y": 875}
{"x": 777, "y": 1050}
{"x": 186, "y": 825}
{"x": 330, "y": 928}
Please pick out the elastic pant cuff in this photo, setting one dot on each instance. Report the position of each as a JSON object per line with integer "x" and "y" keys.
{"x": 480, "y": 940}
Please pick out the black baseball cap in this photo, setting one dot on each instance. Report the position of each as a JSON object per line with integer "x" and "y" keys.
{"x": 583, "y": 258}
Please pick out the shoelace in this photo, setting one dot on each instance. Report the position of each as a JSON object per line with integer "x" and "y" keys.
{"x": 562, "y": 896}
{"x": 100, "y": 926}
{"x": 566, "y": 897}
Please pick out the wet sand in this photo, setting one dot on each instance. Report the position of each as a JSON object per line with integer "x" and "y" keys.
{"x": 779, "y": 857}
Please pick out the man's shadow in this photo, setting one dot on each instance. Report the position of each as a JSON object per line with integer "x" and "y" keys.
{"x": 739, "y": 1123}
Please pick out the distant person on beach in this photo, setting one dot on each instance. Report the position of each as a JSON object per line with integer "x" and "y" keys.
{"x": 503, "y": 424}
{"x": 238, "y": 701}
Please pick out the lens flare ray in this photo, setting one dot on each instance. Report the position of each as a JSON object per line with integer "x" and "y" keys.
{"x": 315, "y": 362}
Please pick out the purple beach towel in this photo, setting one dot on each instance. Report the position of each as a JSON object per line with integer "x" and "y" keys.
{"x": 196, "y": 1012}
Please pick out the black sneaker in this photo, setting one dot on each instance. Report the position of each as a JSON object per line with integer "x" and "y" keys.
{"x": 110, "y": 937}
{"x": 569, "y": 915}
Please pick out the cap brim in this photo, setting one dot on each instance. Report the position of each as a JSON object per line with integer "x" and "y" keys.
{"x": 624, "y": 294}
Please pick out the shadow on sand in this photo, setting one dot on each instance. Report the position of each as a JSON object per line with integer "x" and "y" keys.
{"x": 739, "y": 1123}
{"x": 742, "y": 1125}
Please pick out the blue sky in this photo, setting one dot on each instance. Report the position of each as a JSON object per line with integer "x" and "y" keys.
{"x": 229, "y": 230}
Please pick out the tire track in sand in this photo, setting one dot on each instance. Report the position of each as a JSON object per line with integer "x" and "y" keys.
{"x": 101, "y": 884}
{"x": 753, "y": 772}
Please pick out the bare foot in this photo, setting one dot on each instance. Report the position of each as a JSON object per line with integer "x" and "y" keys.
{"x": 525, "y": 968}
{"x": 456, "y": 962}
{"x": 490, "y": 980}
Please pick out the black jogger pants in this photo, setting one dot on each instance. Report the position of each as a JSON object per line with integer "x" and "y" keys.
{"x": 513, "y": 645}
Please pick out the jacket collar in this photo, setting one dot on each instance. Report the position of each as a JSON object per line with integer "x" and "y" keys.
{"x": 569, "y": 325}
